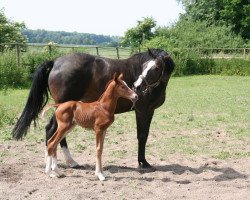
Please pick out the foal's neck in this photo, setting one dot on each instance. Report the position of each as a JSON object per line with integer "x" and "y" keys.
{"x": 109, "y": 99}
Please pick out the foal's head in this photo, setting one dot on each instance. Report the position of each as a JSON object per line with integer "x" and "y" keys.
{"x": 122, "y": 89}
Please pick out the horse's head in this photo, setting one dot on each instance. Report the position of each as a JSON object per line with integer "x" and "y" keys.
{"x": 155, "y": 70}
{"x": 123, "y": 90}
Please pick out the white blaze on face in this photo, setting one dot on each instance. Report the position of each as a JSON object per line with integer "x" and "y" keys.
{"x": 150, "y": 64}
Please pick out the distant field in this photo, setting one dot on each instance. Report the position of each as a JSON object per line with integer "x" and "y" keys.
{"x": 202, "y": 115}
{"x": 110, "y": 52}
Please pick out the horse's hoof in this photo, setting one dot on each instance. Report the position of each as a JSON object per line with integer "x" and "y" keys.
{"x": 146, "y": 167}
{"x": 101, "y": 176}
{"x": 72, "y": 164}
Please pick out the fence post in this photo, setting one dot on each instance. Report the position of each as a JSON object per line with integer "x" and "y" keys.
{"x": 50, "y": 49}
{"x": 97, "y": 51}
{"x": 117, "y": 53}
{"x": 18, "y": 55}
{"x": 244, "y": 53}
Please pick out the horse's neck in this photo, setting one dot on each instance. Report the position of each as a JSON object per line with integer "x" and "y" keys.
{"x": 109, "y": 99}
{"x": 136, "y": 62}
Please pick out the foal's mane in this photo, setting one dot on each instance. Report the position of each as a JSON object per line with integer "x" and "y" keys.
{"x": 105, "y": 89}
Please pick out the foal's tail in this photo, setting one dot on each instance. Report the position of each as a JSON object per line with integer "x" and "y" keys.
{"x": 37, "y": 99}
{"x": 47, "y": 108}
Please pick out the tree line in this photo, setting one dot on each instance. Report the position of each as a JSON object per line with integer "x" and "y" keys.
{"x": 62, "y": 37}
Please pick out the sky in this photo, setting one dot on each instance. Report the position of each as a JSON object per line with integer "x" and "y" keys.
{"x": 106, "y": 17}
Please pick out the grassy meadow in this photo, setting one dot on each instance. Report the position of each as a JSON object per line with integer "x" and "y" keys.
{"x": 202, "y": 116}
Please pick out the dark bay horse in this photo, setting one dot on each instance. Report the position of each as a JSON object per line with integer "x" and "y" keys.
{"x": 83, "y": 77}
{"x": 97, "y": 115}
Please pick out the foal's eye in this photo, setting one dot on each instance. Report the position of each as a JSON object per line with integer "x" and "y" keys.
{"x": 156, "y": 69}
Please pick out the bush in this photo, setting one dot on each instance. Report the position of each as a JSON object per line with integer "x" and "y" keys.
{"x": 190, "y": 62}
{"x": 11, "y": 75}
{"x": 6, "y": 116}
{"x": 232, "y": 67}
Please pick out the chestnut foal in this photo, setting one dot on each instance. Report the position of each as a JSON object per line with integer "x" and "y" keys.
{"x": 98, "y": 115}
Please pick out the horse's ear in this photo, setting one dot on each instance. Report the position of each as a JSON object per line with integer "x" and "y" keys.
{"x": 167, "y": 57}
{"x": 151, "y": 54}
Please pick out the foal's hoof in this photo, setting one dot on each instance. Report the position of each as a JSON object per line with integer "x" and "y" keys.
{"x": 57, "y": 174}
{"x": 101, "y": 176}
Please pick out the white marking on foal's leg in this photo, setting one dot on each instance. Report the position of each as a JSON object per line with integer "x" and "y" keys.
{"x": 100, "y": 175}
{"x": 48, "y": 165}
{"x": 55, "y": 170}
{"x": 46, "y": 154}
{"x": 69, "y": 160}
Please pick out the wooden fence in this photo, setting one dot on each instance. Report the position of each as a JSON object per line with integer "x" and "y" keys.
{"x": 117, "y": 52}
{"x": 50, "y": 48}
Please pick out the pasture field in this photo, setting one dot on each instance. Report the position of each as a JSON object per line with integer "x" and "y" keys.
{"x": 199, "y": 143}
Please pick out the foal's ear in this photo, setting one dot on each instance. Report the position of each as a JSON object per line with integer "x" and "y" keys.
{"x": 120, "y": 76}
{"x": 151, "y": 54}
{"x": 114, "y": 76}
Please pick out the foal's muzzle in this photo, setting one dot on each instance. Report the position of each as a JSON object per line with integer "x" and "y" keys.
{"x": 134, "y": 98}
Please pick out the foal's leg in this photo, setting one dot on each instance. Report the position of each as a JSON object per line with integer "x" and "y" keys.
{"x": 100, "y": 135}
{"x": 50, "y": 130}
{"x": 60, "y": 133}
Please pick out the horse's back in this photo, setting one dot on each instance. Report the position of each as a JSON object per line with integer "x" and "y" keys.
{"x": 71, "y": 76}
{"x": 81, "y": 76}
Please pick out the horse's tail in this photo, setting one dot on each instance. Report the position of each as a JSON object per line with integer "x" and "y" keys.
{"x": 37, "y": 99}
{"x": 47, "y": 108}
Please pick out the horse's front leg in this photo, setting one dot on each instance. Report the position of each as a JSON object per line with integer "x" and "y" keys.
{"x": 143, "y": 121}
{"x": 100, "y": 135}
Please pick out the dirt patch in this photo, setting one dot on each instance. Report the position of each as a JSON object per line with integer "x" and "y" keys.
{"x": 177, "y": 177}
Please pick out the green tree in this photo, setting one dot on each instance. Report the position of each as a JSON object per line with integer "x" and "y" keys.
{"x": 10, "y": 32}
{"x": 233, "y": 13}
{"x": 134, "y": 37}
{"x": 193, "y": 34}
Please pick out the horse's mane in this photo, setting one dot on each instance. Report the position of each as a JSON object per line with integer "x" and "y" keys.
{"x": 144, "y": 56}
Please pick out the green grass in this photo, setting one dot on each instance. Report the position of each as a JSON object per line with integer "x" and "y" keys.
{"x": 202, "y": 116}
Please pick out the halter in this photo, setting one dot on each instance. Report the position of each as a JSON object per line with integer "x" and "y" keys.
{"x": 151, "y": 86}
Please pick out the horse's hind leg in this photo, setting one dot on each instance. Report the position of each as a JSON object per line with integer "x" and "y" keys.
{"x": 50, "y": 130}
{"x": 69, "y": 160}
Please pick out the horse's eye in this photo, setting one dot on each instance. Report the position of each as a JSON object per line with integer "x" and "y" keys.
{"x": 156, "y": 69}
